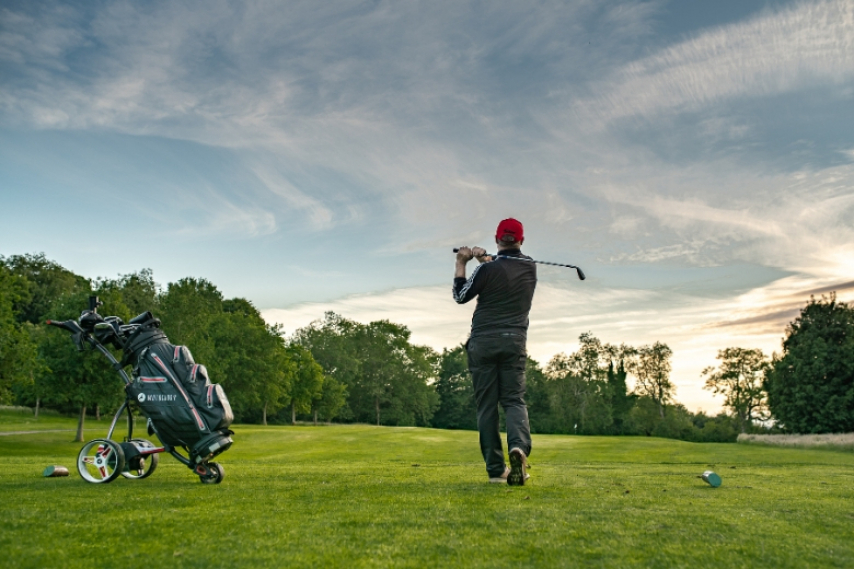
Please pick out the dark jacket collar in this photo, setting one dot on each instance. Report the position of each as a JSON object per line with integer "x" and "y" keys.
{"x": 509, "y": 253}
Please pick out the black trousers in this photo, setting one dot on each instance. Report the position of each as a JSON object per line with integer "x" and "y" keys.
{"x": 497, "y": 365}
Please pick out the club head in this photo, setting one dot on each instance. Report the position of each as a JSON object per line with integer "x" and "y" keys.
{"x": 580, "y": 273}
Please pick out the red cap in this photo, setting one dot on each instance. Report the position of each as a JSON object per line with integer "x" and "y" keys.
{"x": 510, "y": 231}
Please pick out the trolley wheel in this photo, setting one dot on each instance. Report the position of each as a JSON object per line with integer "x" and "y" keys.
{"x": 100, "y": 461}
{"x": 215, "y": 474}
{"x": 142, "y": 466}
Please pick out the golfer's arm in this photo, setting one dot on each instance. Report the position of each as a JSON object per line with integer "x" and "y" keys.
{"x": 460, "y": 272}
{"x": 465, "y": 290}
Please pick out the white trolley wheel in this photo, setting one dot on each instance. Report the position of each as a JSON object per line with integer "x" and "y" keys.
{"x": 143, "y": 466}
{"x": 100, "y": 461}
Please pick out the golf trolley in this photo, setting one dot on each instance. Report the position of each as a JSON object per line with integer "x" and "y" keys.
{"x": 183, "y": 408}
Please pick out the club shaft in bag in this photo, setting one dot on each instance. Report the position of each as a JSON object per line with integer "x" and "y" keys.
{"x": 577, "y": 269}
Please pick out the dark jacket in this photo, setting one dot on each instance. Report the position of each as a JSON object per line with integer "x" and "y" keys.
{"x": 504, "y": 289}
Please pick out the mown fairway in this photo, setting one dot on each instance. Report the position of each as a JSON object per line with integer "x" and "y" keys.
{"x": 365, "y": 496}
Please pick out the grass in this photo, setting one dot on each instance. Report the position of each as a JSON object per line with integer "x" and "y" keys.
{"x": 836, "y": 441}
{"x": 360, "y": 496}
{"x": 21, "y": 419}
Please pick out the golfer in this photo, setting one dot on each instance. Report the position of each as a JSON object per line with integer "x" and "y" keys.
{"x": 497, "y": 347}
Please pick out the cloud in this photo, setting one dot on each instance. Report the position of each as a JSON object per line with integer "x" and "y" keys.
{"x": 342, "y": 116}
{"x": 832, "y": 288}
{"x": 694, "y": 252}
{"x": 202, "y": 212}
{"x": 683, "y": 213}
{"x": 320, "y": 217}
{"x": 778, "y": 319}
{"x": 40, "y": 40}
{"x": 719, "y": 213}
{"x": 809, "y": 44}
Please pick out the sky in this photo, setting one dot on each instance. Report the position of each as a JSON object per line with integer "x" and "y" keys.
{"x": 696, "y": 159}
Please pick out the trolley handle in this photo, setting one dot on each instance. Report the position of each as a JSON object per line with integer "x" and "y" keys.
{"x": 74, "y": 328}
{"x": 69, "y": 325}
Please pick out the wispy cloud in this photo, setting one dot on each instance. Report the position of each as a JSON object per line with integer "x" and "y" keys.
{"x": 778, "y": 319}
{"x": 845, "y": 286}
{"x": 319, "y": 215}
{"x": 415, "y": 123}
{"x": 715, "y": 213}
{"x": 809, "y": 44}
{"x": 202, "y": 212}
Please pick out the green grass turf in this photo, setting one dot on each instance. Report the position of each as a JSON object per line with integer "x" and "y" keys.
{"x": 361, "y": 496}
{"x": 21, "y": 419}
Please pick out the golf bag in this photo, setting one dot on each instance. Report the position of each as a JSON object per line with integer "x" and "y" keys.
{"x": 183, "y": 407}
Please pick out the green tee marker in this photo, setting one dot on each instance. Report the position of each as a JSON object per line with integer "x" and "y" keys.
{"x": 711, "y": 478}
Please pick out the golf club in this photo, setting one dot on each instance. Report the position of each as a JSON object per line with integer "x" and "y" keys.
{"x": 495, "y": 256}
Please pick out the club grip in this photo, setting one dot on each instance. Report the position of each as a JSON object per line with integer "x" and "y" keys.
{"x": 457, "y": 250}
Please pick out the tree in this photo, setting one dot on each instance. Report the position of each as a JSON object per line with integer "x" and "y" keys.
{"x": 72, "y": 378}
{"x": 128, "y": 295}
{"x": 457, "y": 408}
{"x": 58, "y": 374}
{"x": 537, "y": 397}
{"x": 718, "y": 429}
{"x": 676, "y": 424}
{"x": 187, "y": 310}
{"x": 619, "y": 360}
{"x": 246, "y": 356}
{"x": 18, "y": 355}
{"x": 388, "y": 379}
{"x": 578, "y": 393}
{"x": 382, "y": 348}
{"x": 811, "y": 386}
{"x": 29, "y": 388}
{"x": 395, "y": 376}
{"x": 568, "y": 396}
{"x": 307, "y": 382}
{"x": 275, "y": 390}
{"x": 739, "y": 378}
{"x": 652, "y": 370}
{"x": 645, "y": 418}
{"x": 47, "y": 284}
{"x": 333, "y": 398}
{"x": 332, "y": 342}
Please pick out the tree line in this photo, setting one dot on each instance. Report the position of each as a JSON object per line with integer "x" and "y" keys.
{"x": 264, "y": 375}
{"x": 339, "y": 369}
